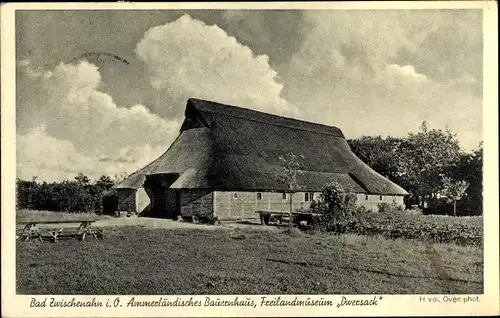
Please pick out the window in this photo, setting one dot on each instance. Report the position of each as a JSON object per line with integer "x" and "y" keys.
{"x": 284, "y": 196}
{"x": 308, "y": 196}
{"x": 235, "y": 195}
{"x": 380, "y": 198}
{"x": 259, "y": 196}
{"x": 366, "y": 197}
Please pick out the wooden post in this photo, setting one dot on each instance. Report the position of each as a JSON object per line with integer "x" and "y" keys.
{"x": 214, "y": 205}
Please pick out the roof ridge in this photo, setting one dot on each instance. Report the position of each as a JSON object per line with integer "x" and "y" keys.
{"x": 338, "y": 132}
{"x": 282, "y": 125}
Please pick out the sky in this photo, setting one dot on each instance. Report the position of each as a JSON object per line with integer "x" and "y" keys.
{"x": 368, "y": 72}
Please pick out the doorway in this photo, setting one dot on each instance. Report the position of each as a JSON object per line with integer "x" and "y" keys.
{"x": 165, "y": 201}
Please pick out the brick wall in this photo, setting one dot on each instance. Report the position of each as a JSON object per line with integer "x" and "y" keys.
{"x": 126, "y": 200}
{"x": 196, "y": 202}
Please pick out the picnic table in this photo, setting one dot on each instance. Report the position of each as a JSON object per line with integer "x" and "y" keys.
{"x": 265, "y": 215}
{"x": 60, "y": 229}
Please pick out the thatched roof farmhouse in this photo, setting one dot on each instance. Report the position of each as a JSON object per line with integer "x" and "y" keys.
{"x": 224, "y": 163}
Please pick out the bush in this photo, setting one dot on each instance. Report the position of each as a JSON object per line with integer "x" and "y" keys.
{"x": 80, "y": 195}
{"x": 392, "y": 207}
{"x": 414, "y": 211}
{"x": 334, "y": 209}
{"x": 337, "y": 212}
{"x": 361, "y": 209}
{"x": 434, "y": 229}
{"x": 384, "y": 207}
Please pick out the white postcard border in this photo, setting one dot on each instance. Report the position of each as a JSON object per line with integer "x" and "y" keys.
{"x": 395, "y": 305}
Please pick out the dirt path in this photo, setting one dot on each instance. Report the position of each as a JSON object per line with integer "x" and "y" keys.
{"x": 156, "y": 223}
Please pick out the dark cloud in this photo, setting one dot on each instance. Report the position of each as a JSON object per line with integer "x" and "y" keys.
{"x": 452, "y": 48}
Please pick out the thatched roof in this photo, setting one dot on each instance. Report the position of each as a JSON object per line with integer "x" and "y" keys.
{"x": 224, "y": 147}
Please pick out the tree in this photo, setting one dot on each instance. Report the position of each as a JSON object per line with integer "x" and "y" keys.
{"x": 287, "y": 175}
{"x": 454, "y": 191}
{"x": 119, "y": 177}
{"x": 32, "y": 186}
{"x": 425, "y": 157}
{"x": 419, "y": 161}
{"x": 105, "y": 183}
{"x": 381, "y": 154}
{"x": 339, "y": 202}
{"x": 470, "y": 169}
{"x": 82, "y": 179}
{"x": 475, "y": 178}
{"x": 335, "y": 208}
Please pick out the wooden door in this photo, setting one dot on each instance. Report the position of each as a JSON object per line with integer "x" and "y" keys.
{"x": 172, "y": 203}
{"x": 158, "y": 203}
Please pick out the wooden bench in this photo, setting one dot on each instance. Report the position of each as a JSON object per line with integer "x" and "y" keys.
{"x": 32, "y": 230}
{"x": 265, "y": 215}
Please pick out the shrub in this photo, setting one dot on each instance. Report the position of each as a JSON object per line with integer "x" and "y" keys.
{"x": 334, "y": 209}
{"x": 384, "y": 207}
{"x": 337, "y": 212}
{"x": 361, "y": 209}
{"x": 414, "y": 211}
{"x": 434, "y": 229}
{"x": 79, "y": 195}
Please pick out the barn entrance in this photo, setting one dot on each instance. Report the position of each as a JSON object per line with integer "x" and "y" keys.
{"x": 165, "y": 201}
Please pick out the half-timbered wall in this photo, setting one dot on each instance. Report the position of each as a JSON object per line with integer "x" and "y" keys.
{"x": 371, "y": 201}
{"x": 238, "y": 204}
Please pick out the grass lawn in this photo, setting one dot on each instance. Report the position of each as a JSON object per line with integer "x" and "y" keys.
{"x": 135, "y": 260}
{"x": 26, "y": 215}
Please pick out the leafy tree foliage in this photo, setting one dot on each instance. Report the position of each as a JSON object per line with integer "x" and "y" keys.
{"x": 287, "y": 175}
{"x": 335, "y": 208}
{"x": 420, "y": 161}
{"x": 470, "y": 169}
{"x": 454, "y": 190}
{"x": 79, "y": 195}
{"x": 425, "y": 157}
{"x": 380, "y": 154}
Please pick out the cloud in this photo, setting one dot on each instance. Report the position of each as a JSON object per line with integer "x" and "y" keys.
{"x": 50, "y": 159}
{"x": 83, "y": 128}
{"x": 187, "y": 58}
{"x": 66, "y": 122}
{"x": 407, "y": 71}
{"x": 399, "y": 79}
{"x": 368, "y": 72}
{"x": 272, "y": 32}
{"x": 350, "y": 67}
{"x": 23, "y": 62}
{"x": 452, "y": 46}
{"x": 67, "y": 101}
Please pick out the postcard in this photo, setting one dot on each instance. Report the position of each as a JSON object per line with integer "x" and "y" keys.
{"x": 249, "y": 159}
